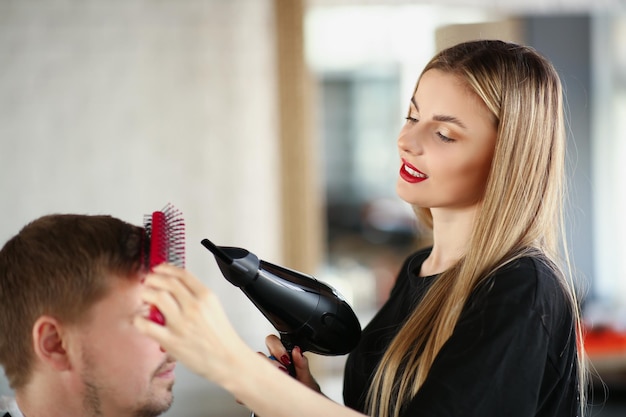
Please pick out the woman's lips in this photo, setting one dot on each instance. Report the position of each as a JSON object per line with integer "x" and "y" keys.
{"x": 411, "y": 174}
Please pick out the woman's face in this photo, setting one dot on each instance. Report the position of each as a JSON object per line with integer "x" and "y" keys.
{"x": 446, "y": 145}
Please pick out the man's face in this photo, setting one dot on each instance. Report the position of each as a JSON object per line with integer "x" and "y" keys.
{"x": 121, "y": 372}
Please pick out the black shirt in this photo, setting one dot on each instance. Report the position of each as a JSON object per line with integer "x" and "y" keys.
{"x": 512, "y": 353}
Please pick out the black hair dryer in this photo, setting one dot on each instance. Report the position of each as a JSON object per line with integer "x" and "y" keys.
{"x": 306, "y": 312}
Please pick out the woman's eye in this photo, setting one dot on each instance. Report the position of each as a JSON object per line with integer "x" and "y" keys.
{"x": 410, "y": 119}
{"x": 444, "y": 138}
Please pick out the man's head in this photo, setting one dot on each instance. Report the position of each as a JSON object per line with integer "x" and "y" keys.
{"x": 69, "y": 289}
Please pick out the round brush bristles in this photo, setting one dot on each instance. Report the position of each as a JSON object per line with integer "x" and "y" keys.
{"x": 165, "y": 232}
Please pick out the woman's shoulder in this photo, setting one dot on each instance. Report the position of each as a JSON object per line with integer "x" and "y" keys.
{"x": 527, "y": 274}
{"x": 528, "y": 283}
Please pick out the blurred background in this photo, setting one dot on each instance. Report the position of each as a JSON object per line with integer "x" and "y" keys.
{"x": 272, "y": 124}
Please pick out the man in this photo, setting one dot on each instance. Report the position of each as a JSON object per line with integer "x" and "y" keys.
{"x": 69, "y": 290}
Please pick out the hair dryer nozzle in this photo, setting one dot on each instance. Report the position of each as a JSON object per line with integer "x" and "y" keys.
{"x": 217, "y": 251}
{"x": 238, "y": 266}
{"x": 306, "y": 312}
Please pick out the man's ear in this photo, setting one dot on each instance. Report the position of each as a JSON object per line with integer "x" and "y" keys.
{"x": 49, "y": 343}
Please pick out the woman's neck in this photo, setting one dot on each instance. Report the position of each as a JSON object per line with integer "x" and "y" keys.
{"x": 451, "y": 234}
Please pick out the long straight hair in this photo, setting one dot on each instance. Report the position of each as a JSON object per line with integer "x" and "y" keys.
{"x": 521, "y": 214}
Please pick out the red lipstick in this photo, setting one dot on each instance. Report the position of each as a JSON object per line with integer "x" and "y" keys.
{"x": 411, "y": 174}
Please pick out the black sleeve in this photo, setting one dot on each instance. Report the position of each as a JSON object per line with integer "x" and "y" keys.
{"x": 497, "y": 360}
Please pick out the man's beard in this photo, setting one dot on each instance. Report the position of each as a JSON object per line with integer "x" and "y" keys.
{"x": 92, "y": 402}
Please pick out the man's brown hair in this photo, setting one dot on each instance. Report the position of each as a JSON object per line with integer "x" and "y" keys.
{"x": 58, "y": 265}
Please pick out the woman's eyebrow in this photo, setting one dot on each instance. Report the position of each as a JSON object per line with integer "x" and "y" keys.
{"x": 442, "y": 117}
{"x": 449, "y": 119}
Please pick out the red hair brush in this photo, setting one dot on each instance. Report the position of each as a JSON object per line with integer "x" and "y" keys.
{"x": 165, "y": 242}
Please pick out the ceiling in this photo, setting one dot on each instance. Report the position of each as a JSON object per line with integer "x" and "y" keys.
{"x": 502, "y": 6}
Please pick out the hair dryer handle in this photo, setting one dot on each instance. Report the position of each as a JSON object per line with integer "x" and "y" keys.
{"x": 291, "y": 368}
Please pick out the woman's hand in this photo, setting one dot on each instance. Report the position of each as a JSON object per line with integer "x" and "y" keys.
{"x": 196, "y": 330}
{"x": 300, "y": 362}
{"x": 198, "y": 334}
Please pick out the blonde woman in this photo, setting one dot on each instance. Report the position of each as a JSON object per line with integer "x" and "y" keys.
{"x": 484, "y": 322}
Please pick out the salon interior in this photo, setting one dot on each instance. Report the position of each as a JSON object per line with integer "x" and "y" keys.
{"x": 271, "y": 124}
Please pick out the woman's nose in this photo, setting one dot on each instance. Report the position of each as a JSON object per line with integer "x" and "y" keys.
{"x": 409, "y": 140}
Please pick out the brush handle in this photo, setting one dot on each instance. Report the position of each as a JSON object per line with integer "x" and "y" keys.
{"x": 158, "y": 240}
{"x": 165, "y": 230}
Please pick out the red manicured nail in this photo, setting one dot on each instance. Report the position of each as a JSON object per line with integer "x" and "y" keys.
{"x": 285, "y": 360}
{"x": 282, "y": 368}
{"x": 156, "y": 316}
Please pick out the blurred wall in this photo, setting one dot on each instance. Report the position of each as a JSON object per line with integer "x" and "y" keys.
{"x": 121, "y": 107}
{"x": 566, "y": 40}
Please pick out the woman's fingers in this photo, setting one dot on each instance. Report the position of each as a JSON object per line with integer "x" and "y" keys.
{"x": 297, "y": 361}
{"x": 189, "y": 281}
{"x": 277, "y": 350}
{"x": 168, "y": 288}
{"x": 163, "y": 302}
{"x": 196, "y": 331}
{"x": 146, "y": 326}
{"x": 272, "y": 359}
{"x": 303, "y": 372}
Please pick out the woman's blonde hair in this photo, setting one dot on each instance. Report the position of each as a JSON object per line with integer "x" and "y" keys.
{"x": 521, "y": 210}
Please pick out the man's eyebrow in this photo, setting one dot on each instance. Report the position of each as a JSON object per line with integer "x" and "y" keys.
{"x": 442, "y": 117}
